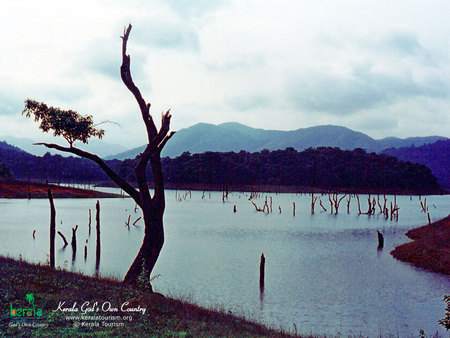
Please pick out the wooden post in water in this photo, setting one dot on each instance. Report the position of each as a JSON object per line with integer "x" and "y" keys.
{"x": 97, "y": 252}
{"x": 380, "y": 240}
{"x": 261, "y": 271}
{"x": 293, "y": 208}
{"x": 85, "y": 250}
{"x": 52, "y": 228}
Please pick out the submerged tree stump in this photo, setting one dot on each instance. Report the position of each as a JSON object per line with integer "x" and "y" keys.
{"x": 63, "y": 238}
{"x": 74, "y": 238}
{"x": 380, "y": 240}
{"x": 261, "y": 271}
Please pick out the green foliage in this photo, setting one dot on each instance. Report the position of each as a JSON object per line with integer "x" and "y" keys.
{"x": 66, "y": 123}
{"x": 445, "y": 322}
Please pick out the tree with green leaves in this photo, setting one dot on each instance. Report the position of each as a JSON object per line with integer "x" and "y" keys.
{"x": 74, "y": 127}
{"x": 66, "y": 123}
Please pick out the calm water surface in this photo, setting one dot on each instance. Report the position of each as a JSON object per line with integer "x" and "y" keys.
{"x": 324, "y": 273}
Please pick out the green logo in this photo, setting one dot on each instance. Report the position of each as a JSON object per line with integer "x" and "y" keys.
{"x": 28, "y": 311}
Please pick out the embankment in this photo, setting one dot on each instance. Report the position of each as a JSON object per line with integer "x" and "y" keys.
{"x": 430, "y": 248}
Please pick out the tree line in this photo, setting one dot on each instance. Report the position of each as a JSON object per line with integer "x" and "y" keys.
{"x": 323, "y": 167}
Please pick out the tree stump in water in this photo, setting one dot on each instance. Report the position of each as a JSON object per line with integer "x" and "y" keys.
{"x": 380, "y": 240}
{"x": 261, "y": 271}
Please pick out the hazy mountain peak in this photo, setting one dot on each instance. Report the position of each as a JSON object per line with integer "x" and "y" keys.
{"x": 234, "y": 136}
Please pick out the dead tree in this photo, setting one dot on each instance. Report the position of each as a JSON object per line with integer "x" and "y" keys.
{"x": 337, "y": 201}
{"x": 379, "y": 205}
{"x": 74, "y": 238}
{"x": 348, "y": 203}
{"x": 52, "y": 228}
{"x": 97, "y": 249}
{"x": 423, "y": 205}
{"x": 359, "y": 205}
{"x": 331, "y": 203}
{"x": 63, "y": 238}
{"x": 152, "y": 206}
{"x": 380, "y": 240}
{"x": 89, "y": 222}
{"x": 323, "y": 207}
{"x": 369, "y": 202}
{"x": 262, "y": 265}
{"x": 313, "y": 202}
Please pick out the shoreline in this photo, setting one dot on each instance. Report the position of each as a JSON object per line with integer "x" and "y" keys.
{"x": 30, "y": 190}
{"x": 61, "y": 297}
{"x": 279, "y": 189}
{"x": 430, "y": 248}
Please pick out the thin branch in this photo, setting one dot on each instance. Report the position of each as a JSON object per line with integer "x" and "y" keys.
{"x": 127, "y": 79}
{"x": 108, "y": 171}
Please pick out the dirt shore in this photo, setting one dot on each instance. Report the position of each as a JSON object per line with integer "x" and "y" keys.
{"x": 430, "y": 248}
{"x": 21, "y": 189}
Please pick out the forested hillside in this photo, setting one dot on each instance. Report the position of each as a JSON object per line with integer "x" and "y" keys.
{"x": 324, "y": 167}
{"x": 435, "y": 156}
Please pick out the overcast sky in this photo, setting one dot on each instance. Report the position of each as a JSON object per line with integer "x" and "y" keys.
{"x": 381, "y": 67}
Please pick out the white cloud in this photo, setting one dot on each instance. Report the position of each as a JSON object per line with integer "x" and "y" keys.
{"x": 282, "y": 65}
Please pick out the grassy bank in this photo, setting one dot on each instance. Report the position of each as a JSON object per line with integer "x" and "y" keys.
{"x": 430, "y": 248}
{"x": 162, "y": 316}
{"x": 22, "y": 189}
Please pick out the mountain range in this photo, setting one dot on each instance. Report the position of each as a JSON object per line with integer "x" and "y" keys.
{"x": 99, "y": 147}
{"x": 235, "y": 137}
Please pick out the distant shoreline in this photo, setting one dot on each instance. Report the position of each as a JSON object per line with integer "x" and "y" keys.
{"x": 24, "y": 189}
{"x": 283, "y": 189}
{"x": 31, "y": 190}
{"x": 430, "y": 248}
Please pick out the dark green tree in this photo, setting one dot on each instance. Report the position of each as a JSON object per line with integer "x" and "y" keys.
{"x": 74, "y": 127}
{"x": 66, "y": 123}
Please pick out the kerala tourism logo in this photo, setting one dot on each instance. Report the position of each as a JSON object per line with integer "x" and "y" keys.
{"x": 26, "y": 312}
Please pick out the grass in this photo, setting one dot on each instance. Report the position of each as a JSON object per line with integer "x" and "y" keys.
{"x": 163, "y": 316}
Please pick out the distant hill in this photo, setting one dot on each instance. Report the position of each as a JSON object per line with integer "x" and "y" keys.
{"x": 435, "y": 156}
{"x": 6, "y": 146}
{"x": 233, "y": 136}
{"x": 95, "y": 146}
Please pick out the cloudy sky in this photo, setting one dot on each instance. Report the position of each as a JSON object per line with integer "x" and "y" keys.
{"x": 381, "y": 67}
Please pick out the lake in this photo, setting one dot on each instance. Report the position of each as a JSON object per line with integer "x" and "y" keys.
{"x": 324, "y": 274}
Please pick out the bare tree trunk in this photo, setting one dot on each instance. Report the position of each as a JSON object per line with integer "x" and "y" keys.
{"x": 152, "y": 206}
{"x": 97, "y": 251}
{"x": 151, "y": 246}
{"x": 52, "y": 228}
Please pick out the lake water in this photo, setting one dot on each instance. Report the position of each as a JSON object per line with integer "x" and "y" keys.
{"x": 324, "y": 274}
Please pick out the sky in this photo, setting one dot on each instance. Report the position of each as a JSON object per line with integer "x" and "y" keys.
{"x": 380, "y": 67}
